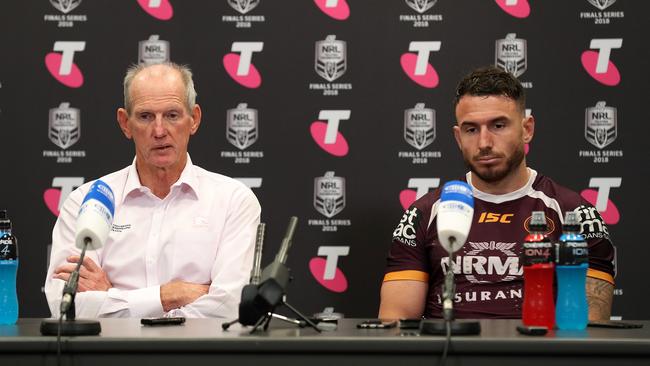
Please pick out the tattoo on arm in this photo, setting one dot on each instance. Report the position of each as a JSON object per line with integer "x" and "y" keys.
{"x": 599, "y": 298}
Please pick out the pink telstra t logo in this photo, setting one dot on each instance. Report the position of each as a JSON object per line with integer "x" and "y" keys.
{"x": 417, "y": 66}
{"x": 54, "y": 197}
{"x": 239, "y": 66}
{"x": 598, "y": 64}
{"x": 516, "y": 8}
{"x": 337, "y": 9}
{"x": 61, "y": 65}
{"x": 159, "y": 9}
{"x": 326, "y": 272}
{"x": 327, "y": 135}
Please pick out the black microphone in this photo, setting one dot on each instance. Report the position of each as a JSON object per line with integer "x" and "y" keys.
{"x": 258, "y": 300}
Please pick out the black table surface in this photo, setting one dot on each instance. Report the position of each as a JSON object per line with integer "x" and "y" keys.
{"x": 206, "y": 335}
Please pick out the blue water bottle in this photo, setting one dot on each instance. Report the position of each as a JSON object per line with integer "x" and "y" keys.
{"x": 8, "y": 271}
{"x": 572, "y": 261}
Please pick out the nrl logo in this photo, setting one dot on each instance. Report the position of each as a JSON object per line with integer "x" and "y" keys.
{"x": 602, "y": 4}
{"x": 243, "y": 6}
{"x": 329, "y": 194}
{"x": 600, "y": 125}
{"x": 64, "y": 128}
{"x": 153, "y": 50}
{"x": 421, "y": 5}
{"x": 331, "y": 58}
{"x": 65, "y": 6}
{"x": 510, "y": 54}
{"x": 241, "y": 126}
{"x": 419, "y": 126}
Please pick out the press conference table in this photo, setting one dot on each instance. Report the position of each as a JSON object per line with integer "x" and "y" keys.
{"x": 125, "y": 342}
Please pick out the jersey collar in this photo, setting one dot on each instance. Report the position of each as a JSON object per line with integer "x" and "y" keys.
{"x": 499, "y": 198}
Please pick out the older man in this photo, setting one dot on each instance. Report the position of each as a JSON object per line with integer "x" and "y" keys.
{"x": 182, "y": 239}
{"x": 491, "y": 132}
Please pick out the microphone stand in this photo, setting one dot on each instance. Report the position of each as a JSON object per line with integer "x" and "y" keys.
{"x": 268, "y": 289}
{"x": 449, "y": 325}
{"x": 71, "y": 326}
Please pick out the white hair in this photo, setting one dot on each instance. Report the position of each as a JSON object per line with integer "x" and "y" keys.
{"x": 183, "y": 70}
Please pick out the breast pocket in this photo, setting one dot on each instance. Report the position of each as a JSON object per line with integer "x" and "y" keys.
{"x": 194, "y": 253}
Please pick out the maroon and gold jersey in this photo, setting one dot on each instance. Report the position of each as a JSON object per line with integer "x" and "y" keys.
{"x": 488, "y": 273}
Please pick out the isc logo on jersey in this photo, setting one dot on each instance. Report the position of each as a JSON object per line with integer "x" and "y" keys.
{"x": 488, "y": 217}
{"x": 407, "y": 227}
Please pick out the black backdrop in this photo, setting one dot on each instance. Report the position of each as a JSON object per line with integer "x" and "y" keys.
{"x": 374, "y": 88}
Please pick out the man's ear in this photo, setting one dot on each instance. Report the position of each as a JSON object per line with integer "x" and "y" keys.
{"x": 123, "y": 121}
{"x": 457, "y": 136}
{"x": 529, "y": 128}
{"x": 196, "y": 119}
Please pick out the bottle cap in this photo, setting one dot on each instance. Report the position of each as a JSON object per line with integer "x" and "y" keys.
{"x": 5, "y": 223}
{"x": 571, "y": 221}
{"x": 538, "y": 221}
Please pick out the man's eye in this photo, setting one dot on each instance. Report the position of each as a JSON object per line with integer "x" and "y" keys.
{"x": 470, "y": 130}
{"x": 173, "y": 116}
{"x": 145, "y": 116}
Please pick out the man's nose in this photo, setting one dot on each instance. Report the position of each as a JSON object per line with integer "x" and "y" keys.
{"x": 159, "y": 129}
{"x": 484, "y": 138}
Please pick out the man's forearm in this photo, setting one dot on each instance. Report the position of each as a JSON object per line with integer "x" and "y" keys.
{"x": 599, "y": 298}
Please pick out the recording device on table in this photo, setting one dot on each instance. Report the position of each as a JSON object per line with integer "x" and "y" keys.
{"x": 377, "y": 324}
{"x": 93, "y": 225}
{"x": 178, "y": 320}
{"x": 454, "y": 219}
{"x": 267, "y": 290}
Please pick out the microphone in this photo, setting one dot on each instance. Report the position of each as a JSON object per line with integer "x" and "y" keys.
{"x": 259, "y": 300}
{"x": 454, "y": 219}
{"x": 257, "y": 256}
{"x": 455, "y": 213}
{"x": 93, "y": 225}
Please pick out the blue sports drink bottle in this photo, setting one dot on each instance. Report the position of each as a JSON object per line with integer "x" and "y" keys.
{"x": 571, "y": 263}
{"x": 8, "y": 271}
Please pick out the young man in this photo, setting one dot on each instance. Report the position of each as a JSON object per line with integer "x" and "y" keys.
{"x": 492, "y": 130}
{"x": 182, "y": 238}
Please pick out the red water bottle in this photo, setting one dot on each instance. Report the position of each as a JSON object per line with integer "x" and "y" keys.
{"x": 539, "y": 306}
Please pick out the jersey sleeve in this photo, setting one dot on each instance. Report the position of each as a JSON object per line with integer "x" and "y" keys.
{"x": 601, "y": 250}
{"x": 408, "y": 258}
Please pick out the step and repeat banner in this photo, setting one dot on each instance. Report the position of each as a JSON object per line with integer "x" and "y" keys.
{"x": 335, "y": 111}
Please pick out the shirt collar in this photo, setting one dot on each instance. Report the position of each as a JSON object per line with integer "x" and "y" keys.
{"x": 498, "y": 198}
{"x": 188, "y": 178}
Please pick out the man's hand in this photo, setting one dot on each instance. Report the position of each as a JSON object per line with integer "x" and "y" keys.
{"x": 91, "y": 276}
{"x": 175, "y": 294}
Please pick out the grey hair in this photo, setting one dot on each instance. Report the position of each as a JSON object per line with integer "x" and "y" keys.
{"x": 183, "y": 70}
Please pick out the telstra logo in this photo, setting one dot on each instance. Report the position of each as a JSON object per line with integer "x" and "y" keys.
{"x": 337, "y": 9}
{"x": 239, "y": 66}
{"x": 417, "y": 66}
{"x": 159, "y": 9}
{"x": 516, "y": 8}
{"x": 62, "y": 66}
